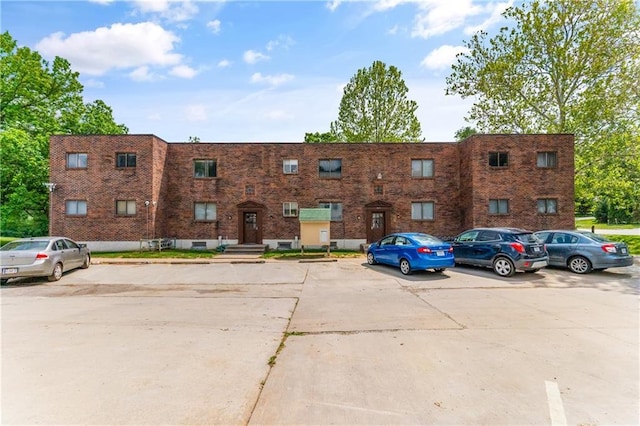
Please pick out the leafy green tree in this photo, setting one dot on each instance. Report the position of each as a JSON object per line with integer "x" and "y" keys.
{"x": 319, "y": 137}
{"x": 37, "y": 99}
{"x": 564, "y": 66}
{"x": 375, "y": 108}
{"x": 465, "y": 132}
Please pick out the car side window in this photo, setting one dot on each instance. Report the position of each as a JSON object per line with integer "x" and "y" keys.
{"x": 386, "y": 241}
{"x": 468, "y": 236}
{"x": 561, "y": 238}
{"x": 488, "y": 236}
{"x": 71, "y": 244}
{"x": 401, "y": 241}
{"x": 542, "y": 236}
{"x": 60, "y": 245}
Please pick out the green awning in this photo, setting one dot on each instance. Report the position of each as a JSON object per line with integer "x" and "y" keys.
{"x": 315, "y": 215}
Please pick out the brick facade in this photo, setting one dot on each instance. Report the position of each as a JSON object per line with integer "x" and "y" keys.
{"x": 250, "y": 179}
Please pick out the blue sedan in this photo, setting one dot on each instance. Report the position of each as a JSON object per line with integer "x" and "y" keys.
{"x": 412, "y": 252}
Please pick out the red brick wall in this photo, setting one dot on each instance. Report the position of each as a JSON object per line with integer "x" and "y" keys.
{"x": 462, "y": 185}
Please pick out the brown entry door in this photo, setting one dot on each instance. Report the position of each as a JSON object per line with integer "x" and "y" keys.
{"x": 250, "y": 228}
{"x": 377, "y": 228}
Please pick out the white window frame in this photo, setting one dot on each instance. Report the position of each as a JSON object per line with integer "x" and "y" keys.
{"x": 204, "y": 211}
{"x": 290, "y": 166}
{"x": 125, "y": 207}
{"x": 75, "y": 207}
{"x": 422, "y": 168}
{"x": 207, "y": 168}
{"x": 423, "y": 210}
{"x": 290, "y": 209}
{"x": 547, "y": 206}
{"x": 335, "y": 207}
{"x": 77, "y": 160}
{"x": 547, "y": 159}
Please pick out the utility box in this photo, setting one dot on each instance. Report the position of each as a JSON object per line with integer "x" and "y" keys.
{"x": 314, "y": 227}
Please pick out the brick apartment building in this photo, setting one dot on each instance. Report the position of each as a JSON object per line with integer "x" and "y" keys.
{"x": 114, "y": 191}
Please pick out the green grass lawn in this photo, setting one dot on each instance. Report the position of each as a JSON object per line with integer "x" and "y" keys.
{"x": 588, "y": 223}
{"x": 155, "y": 254}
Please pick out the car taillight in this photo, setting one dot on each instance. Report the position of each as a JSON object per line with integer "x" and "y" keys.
{"x": 609, "y": 248}
{"x": 42, "y": 256}
{"x": 451, "y": 249}
{"x": 517, "y": 247}
{"x": 424, "y": 250}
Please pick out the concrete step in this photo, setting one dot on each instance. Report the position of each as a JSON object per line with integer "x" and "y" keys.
{"x": 245, "y": 249}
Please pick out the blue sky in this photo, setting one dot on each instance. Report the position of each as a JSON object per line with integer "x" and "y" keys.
{"x": 251, "y": 71}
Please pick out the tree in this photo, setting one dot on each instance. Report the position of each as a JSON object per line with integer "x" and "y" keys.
{"x": 37, "y": 99}
{"x": 564, "y": 66}
{"x": 319, "y": 137}
{"x": 375, "y": 108}
{"x": 464, "y": 132}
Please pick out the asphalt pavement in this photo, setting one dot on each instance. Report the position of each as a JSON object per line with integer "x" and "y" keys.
{"x": 247, "y": 341}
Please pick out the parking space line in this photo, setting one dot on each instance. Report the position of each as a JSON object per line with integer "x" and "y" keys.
{"x": 556, "y": 409}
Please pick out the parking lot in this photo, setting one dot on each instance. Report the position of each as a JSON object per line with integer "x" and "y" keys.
{"x": 341, "y": 342}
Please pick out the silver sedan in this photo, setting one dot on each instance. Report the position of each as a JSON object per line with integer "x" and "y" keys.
{"x": 583, "y": 252}
{"x": 42, "y": 257}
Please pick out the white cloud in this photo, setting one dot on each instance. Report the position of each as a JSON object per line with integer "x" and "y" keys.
{"x": 214, "y": 26}
{"x": 252, "y": 56}
{"x": 171, "y": 10}
{"x": 183, "y": 71}
{"x": 437, "y": 17}
{"x": 333, "y": 4}
{"x": 142, "y": 74}
{"x": 119, "y": 46}
{"x": 283, "y": 42}
{"x": 272, "y": 80}
{"x": 442, "y": 57}
{"x": 495, "y": 11}
{"x": 279, "y": 115}
{"x": 196, "y": 112}
{"x": 224, "y": 63}
{"x": 93, "y": 83}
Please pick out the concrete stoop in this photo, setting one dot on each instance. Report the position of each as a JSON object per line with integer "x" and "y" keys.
{"x": 245, "y": 249}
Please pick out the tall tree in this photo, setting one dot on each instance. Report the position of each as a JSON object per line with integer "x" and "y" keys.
{"x": 464, "y": 132}
{"x": 37, "y": 99}
{"x": 563, "y": 66}
{"x": 319, "y": 137}
{"x": 375, "y": 108}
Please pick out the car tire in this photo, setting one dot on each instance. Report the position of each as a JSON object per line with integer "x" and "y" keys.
{"x": 579, "y": 265}
{"x": 87, "y": 262}
{"x": 371, "y": 260}
{"x": 405, "y": 267}
{"x": 504, "y": 267}
{"x": 439, "y": 270}
{"x": 57, "y": 272}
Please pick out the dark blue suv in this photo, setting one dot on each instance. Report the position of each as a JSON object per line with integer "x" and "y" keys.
{"x": 505, "y": 250}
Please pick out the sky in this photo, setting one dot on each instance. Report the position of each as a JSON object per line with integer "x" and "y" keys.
{"x": 252, "y": 71}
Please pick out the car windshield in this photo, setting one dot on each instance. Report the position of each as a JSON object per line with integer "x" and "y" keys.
{"x": 25, "y": 245}
{"x": 526, "y": 238}
{"x": 426, "y": 239}
{"x": 596, "y": 237}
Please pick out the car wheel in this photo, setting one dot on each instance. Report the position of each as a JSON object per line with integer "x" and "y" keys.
{"x": 4, "y": 281}
{"x": 504, "y": 267}
{"x": 87, "y": 262}
{"x": 371, "y": 260}
{"x": 579, "y": 265}
{"x": 57, "y": 272}
{"x": 405, "y": 267}
{"x": 439, "y": 270}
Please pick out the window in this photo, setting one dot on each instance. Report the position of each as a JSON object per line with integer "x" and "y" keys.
{"x": 76, "y": 208}
{"x": 290, "y": 167}
{"x": 336, "y": 210}
{"x": 249, "y": 189}
{"x": 498, "y": 206}
{"x": 204, "y": 168}
{"x": 546, "y": 159}
{"x": 498, "y": 159}
{"x": 547, "y": 206}
{"x": 330, "y": 169}
{"x": 421, "y": 168}
{"x": 290, "y": 209}
{"x": 77, "y": 160}
{"x": 422, "y": 211}
{"x": 205, "y": 212}
{"x": 125, "y": 159}
{"x": 378, "y": 189}
{"x": 125, "y": 207}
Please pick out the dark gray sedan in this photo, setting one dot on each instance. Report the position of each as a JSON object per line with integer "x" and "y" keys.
{"x": 583, "y": 252}
{"x": 42, "y": 257}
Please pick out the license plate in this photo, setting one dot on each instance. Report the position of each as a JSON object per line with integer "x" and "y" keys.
{"x": 623, "y": 250}
{"x": 10, "y": 270}
{"x": 536, "y": 249}
{"x": 439, "y": 252}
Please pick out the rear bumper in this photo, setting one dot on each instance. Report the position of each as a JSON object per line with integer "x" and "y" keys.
{"x": 43, "y": 269}
{"x": 423, "y": 264}
{"x": 532, "y": 264}
{"x": 612, "y": 262}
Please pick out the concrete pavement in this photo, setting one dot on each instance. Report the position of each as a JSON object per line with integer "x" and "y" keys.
{"x": 340, "y": 342}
